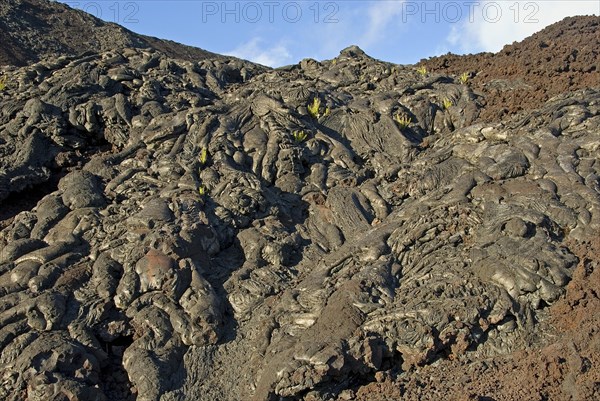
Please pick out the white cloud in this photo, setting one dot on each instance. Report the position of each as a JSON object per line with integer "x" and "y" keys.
{"x": 255, "y": 50}
{"x": 380, "y": 14}
{"x": 493, "y": 24}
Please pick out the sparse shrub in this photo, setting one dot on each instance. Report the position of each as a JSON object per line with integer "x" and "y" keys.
{"x": 447, "y": 103}
{"x": 2, "y": 83}
{"x": 464, "y": 78}
{"x": 403, "y": 121}
{"x": 202, "y": 190}
{"x": 422, "y": 70}
{"x": 299, "y": 136}
{"x": 314, "y": 109}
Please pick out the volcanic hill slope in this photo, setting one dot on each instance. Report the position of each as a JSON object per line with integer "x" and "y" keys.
{"x": 32, "y": 30}
{"x": 563, "y": 57}
{"x": 212, "y": 237}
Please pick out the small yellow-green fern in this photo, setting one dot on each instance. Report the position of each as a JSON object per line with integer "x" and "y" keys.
{"x": 202, "y": 190}
{"x": 447, "y": 103}
{"x": 313, "y": 109}
{"x": 299, "y": 136}
{"x": 464, "y": 78}
{"x": 402, "y": 120}
{"x": 422, "y": 71}
{"x": 203, "y": 156}
{"x": 2, "y": 83}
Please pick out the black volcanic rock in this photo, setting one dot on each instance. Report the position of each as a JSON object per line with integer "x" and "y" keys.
{"x": 213, "y": 236}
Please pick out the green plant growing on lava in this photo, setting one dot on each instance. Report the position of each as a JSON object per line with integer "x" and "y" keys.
{"x": 203, "y": 156}
{"x": 314, "y": 109}
{"x": 422, "y": 70}
{"x": 202, "y": 190}
{"x": 447, "y": 103}
{"x": 2, "y": 83}
{"x": 402, "y": 120}
{"x": 464, "y": 78}
{"x": 299, "y": 136}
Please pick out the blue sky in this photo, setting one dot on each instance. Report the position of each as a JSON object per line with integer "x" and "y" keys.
{"x": 281, "y": 32}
